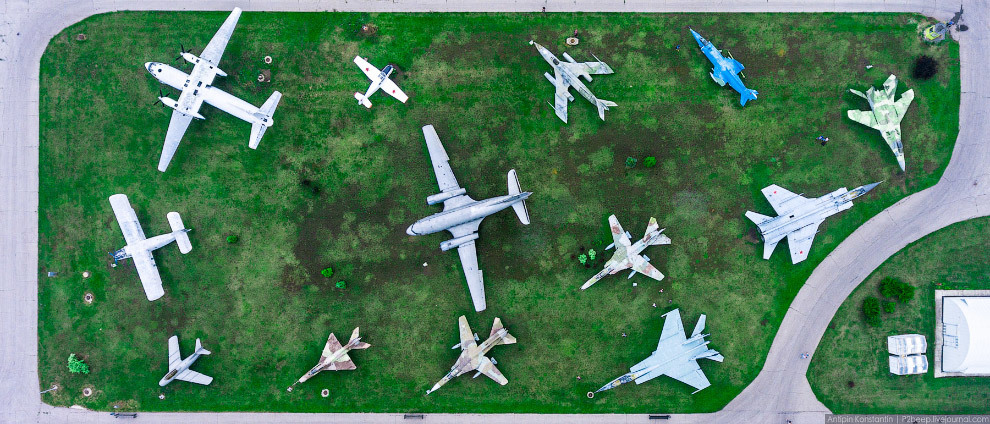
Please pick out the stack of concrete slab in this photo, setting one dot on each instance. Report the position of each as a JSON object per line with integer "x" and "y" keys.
{"x": 907, "y": 354}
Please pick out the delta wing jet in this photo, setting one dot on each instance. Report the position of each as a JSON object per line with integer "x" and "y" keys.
{"x": 725, "y": 70}
{"x": 139, "y": 246}
{"x": 567, "y": 74}
{"x": 627, "y": 254}
{"x": 885, "y": 114}
{"x": 676, "y": 356}
{"x": 379, "y": 80}
{"x": 178, "y": 368}
{"x": 799, "y": 217}
{"x": 197, "y": 87}
{"x": 462, "y": 215}
{"x": 473, "y": 355}
{"x": 334, "y": 357}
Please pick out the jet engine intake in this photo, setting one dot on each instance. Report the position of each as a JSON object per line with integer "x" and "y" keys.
{"x": 455, "y": 242}
{"x": 441, "y": 197}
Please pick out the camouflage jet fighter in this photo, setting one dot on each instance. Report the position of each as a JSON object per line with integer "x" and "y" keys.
{"x": 178, "y": 368}
{"x": 675, "y": 356}
{"x": 334, "y": 357}
{"x": 627, "y": 254}
{"x": 473, "y": 355}
{"x": 885, "y": 114}
{"x": 799, "y": 217}
{"x": 566, "y": 75}
{"x": 725, "y": 70}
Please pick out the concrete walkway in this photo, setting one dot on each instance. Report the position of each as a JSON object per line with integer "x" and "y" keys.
{"x": 781, "y": 391}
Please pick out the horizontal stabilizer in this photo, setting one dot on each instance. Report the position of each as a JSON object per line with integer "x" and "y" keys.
{"x": 520, "y": 206}
{"x": 200, "y": 350}
{"x": 603, "y": 105}
{"x": 258, "y": 128}
{"x": 180, "y": 231}
{"x": 758, "y": 219}
{"x": 699, "y": 327}
{"x": 362, "y": 100}
{"x": 746, "y": 96}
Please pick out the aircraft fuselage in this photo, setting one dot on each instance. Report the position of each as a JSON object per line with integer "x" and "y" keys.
{"x": 463, "y": 214}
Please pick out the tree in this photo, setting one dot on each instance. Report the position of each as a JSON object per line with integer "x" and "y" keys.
{"x": 341, "y": 285}
{"x": 631, "y": 162}
{"x": 896, "y": 289}
{"x": 871, "y": 310}
{"x": 649, "y": 161}
{"x": 76, "y": 365}
{"x": 925, "y": 67}
{"x": 591, "y": 254}
{"x": 582, "y": 258}
{"x": 889, "y": 307}
{"x": 327, "y": 272}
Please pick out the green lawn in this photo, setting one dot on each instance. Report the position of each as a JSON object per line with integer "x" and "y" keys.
{"x": 954, "y": 258}
{"x": 336, "y": 184}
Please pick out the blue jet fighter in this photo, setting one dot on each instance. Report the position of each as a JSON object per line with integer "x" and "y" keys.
{"x": 725, "y": 69}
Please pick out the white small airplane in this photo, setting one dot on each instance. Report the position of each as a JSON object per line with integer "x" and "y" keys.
{"x": 139, "y": 247}
{"x": 197, "y": 88}
{"x": 178, "y": 368}
{"x": 379, "y": 79}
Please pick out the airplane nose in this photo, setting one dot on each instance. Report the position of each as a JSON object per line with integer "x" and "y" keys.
{"x": 147, "y": 65}
{"x": 410, "y": 230}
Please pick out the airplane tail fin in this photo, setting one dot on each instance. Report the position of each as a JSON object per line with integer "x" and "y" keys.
{"x": 747, "y": 96}
{"x": 603, "y": 105}
{"x": 507, "y": 338}
{"x": 354, "y": 336}
{"x": 362, "y": 100}
{"x": 520, "y": 206}
{"x": 258, "y": 128}
{"x": 180, "y": 231}
{"x": 200, "y": 350}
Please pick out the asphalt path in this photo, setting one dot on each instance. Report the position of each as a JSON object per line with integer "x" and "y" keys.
{"x": 779, "y": 393}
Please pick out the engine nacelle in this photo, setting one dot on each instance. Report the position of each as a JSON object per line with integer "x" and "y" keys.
{"x": 174, "y": 104}
{"x": 440, "y": 197}
{"x": 193, "y": 59}
{"x": 452, "y": 243}
{"x": 568, "y": 58}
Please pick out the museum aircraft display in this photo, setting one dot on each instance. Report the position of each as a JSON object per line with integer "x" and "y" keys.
{"x": 178, "y": 368}
{"x": 379, "y": 80}
{"x": 473, "y": 355}
{"x": 676, "y": 356}
{"x": 627, "y": 254}
{"x": 567, "y": 74}
{"x": 197, "y": 87}
{"x": 799, "y": 217}
{"x": 725, "y": 70}
{"x": 462, "y": 215}
{"x": 139, "y": 247}
{"x": 885, "y": 114}
{"x": 334, "y": 357}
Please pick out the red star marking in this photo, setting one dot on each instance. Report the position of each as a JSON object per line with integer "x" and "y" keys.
{"x": 774, "y": 192}
{"x": 801, "y": 251}
{"x": 365, "y": 69}
{"x": 393, "y": 91}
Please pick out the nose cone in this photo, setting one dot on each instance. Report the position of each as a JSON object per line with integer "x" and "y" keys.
{"x": 697, "y": 37}
{"x": 869, "y": 187}
{"x": 148, "y": 65}
{"x": 411, "y": 231}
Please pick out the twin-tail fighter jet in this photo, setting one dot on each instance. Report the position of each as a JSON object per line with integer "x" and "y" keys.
{"x": 799, "y": 217}
{"x": 379, "y": 80}
{"x": 178, "y": 368}
{"x": 676, "y": 356}
{"x": 885, "y": 114}
{"x": 462, "y": 215}
{"x": 473, "y": 355}
{"x": 567, "y": 74}
{"x": 725, "y": 70}
{"x": 197, "y": 87}
{"x": 627, "y": 254}
{"x": 334, "y": 357}
{"x": 139, "y": 246}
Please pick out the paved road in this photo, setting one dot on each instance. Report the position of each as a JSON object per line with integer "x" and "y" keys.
{"x": 780, "y": 392}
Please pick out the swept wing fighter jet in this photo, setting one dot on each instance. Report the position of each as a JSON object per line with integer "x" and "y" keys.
{"x": 885, "y": 114}
{"x": 627, "y": 254}
{"x": 178, "y": 368}
{"x": 462, "y": 215}
{"x": 139, "y": 246}
{"x": 725, "y": 70}
{"x": 473, "y": 355}
{"x": 799, "y": 217}
{"x": 379, "y": 80}
{"x": 197, "y": 87}
{"x": 334, "y": 357}
{"x": 675, "y": 356}
{"x": 566, "y": 74}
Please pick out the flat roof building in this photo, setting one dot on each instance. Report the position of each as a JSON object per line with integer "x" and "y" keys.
{"x": 962, "y": 333}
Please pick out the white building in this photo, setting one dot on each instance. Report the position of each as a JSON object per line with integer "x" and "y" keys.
{"x": 965, "y": 343}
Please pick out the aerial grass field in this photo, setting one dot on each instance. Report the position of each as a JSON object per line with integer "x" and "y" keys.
{"x": 335, "y": 184}
{"x": 954, "y": 258}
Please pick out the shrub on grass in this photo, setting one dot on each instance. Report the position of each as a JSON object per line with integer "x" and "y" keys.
{"x": 583, "y": 258}
{"x": 630, "y": 162}
{"x": 897, "y": 289}
{"x": 649, "y": 161}
{"x": 925, "y": 67}
{"x": 871, "y": 310}
{"x": 231, "y": 239}
{"x": 76, "y": 365}
{"x": 889, "y": 307}
{"x": 327, "y": 272}
{"x": 341, "y": 285}
{"x": 591, "y": 254}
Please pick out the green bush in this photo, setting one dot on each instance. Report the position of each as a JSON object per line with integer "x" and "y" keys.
{"x": 327, "y": 272}
{"x": 871, "y": 310}
{"x": 591, "y": 254}
{"x": 889, "y": 307}
{"x": 897, "y": 289}
{"x": 649, "y": 161}
{"x": 583, "y": 259}
{"x": 341, "y": 285}
{"x": 232, "y": 239}
{"x": 630, "y": 162}
{"x": 76, "y": 365}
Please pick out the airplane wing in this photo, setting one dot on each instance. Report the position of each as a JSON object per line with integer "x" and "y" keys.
{"x": 736, "y": 66}
{"x": 173, "y": 352}
{"x": 148, "y": 272}
{"x": 618, "y": 234}
{"x": 594, "y": 68}
{"x": 332, "y": 346}
{"x": 393, "y": 90}
{"x": 194, "y": 377}
{"x": 673, "y": 331}
{"x": 560, "y": 96}
{"x": 779, "y": 197}
{"x": 218, "y": 44}
{"x": 127, "y": 219}
{"x": 800, "y": 242}
{"x": 863, "y": 117}
{"x": 343, "y": 363}
{"x": 475, "y": 278}
{"x": 441, "y": 167}
{"x": 369, "y": 70}
{"x": 649, "y": 270}
{"x": 688, "y": 372}
{"x": 901, "y": 105}
{"x": 467, "y": 336}
{"x": 176, "y": 128}
{"x": 488, "y": 368}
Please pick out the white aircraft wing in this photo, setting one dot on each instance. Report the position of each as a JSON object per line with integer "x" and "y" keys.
{"x": 672, "y": 335}
{"x": 441, "y": 167}
{"x": 488, "y": 368}
{"x": 690, "y": 373}
{"x": 782, "y": 199}
{"x": 127, "y": 219}
{"x": 469, "y": 261}
{"x": 649, "y": 270}
{"x": 467, "y": 336}
{"x": 148, "y": 272}
{"x": 618, "y": 234}
{"x": 594, "y": 68}
{"x": 393, "y": 90}
{"x": 176, "y": 128}
{"x": 800, "y": 242}
{"x": 194, "y": 377}
{"x": 173, "y": 353}
{"x": 863, "y": 117}
{"x": 369, "y": 70}
{"x": 218, "y": 44}
{"x": 560, "y": 96}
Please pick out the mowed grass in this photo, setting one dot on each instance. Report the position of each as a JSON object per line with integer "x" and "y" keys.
{"x": 954, "y": 258}
{"x": 335, "y": 184}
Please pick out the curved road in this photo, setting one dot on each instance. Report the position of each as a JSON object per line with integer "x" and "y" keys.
{"x": 781, "y": 391}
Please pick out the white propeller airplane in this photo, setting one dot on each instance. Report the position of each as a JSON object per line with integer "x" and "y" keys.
{"x": 139, "y": 246}
{"x": 379, "y": 80}
{"x": 197, "y": 88}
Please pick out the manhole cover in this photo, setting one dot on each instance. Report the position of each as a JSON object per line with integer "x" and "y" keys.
{"x": 572, "y": 41}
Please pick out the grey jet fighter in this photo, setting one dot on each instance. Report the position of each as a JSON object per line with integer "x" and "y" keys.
{"x": 473, "y": 355}
{"x": 178, "y": 368}
{"x": 799, "y": 217}
{"x": 627, "y": 254}
{"x": 334, "y": 357}
{"x": 462, "y": 215}
{"x": 567, "y": 74}
{"x": 676, "y": 356}
{"x": 885, "y": 114}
